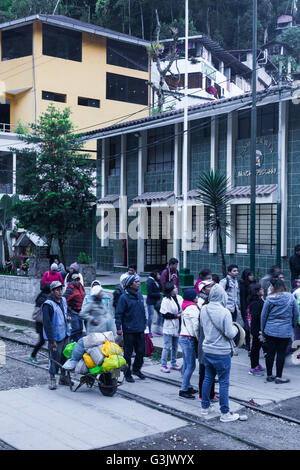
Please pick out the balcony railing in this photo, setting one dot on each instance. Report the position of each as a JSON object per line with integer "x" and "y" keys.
{"x": 4, "y": 127}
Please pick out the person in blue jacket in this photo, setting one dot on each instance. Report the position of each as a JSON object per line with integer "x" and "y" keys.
{"x": 278, "y": 318}
{"x": 130, "y": 317}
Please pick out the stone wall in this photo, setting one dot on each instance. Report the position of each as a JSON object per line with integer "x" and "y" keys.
{"x": 20, "y": 288}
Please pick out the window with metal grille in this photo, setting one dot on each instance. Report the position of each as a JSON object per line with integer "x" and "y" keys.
{"x": 6, "y": 172}
{"x": 51, "y": 96}
{"x": 17, "y": 42}
{"x": 114, "y": 165}
{"x": 126, "y": 55}
{"x": 195, "y": 226}
{"x": 62, "y": 43}
{"x": 160, "y": 149}
{"x": 127, "y": 89}
{"x": 265, "y": 229}
{"x": 90, "y": 102}
{"x": 158, "y": 251}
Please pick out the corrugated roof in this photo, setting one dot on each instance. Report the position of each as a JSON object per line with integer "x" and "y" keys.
{"x": 109, "y": 199}
{"x": 284, "y": 19}
{"x": 245, "y": 191}
{"x": 159, "y": 196}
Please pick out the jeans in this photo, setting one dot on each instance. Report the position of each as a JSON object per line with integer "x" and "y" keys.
{"x": 187, "y": 344}
{"x": 275, "y": 346}
{"x": 159, "y": 324}
{"x": 76, "y": 327}
{"x": 201, "y": 380}
{"x": 170, "y": 342}
{"x": 220, "y": 365}
{"x": 136, "y": 342}
{"x": 58, "y": 356}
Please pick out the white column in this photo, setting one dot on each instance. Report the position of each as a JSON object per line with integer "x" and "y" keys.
{"x": 14, "y": 177}
{"x": 177, "y": 191}
{"x": 284, "y": 172}
{"x": 214, "y": 138}
{"x": 142, "y": 160}
{"x": 231, "y": 137}
{"x": 123, "y": 198}
{"x": 104, "y": 241}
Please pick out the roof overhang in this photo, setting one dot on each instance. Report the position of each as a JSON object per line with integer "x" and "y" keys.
{"x": 18, "y": 91}
{"x": 158, "y": 199}
{"x": 265, "y": 194}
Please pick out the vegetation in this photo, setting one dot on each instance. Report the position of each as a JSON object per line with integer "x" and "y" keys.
{"x": 83, "y": 258}
{"x": 57, "y": 178}
{"x": 7, "y": 212}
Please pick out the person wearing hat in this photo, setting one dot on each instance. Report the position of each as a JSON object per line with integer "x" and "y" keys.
{"x": 219, "y": 331}
{"x": 188, "y": 340}
{"x": 105, "y": 297}
{"x": 52, "y": 275}
{"x": 171, "y": 313}
{"x": 56, "y": 329}
{"x": 97, "y": 317}
{"x": 130, "y": 318}
{"x": 74, "y": 295}
{"x": 119, "y": 290}
{"x": 73, "y": 269}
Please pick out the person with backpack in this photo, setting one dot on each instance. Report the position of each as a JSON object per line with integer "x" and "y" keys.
{"x": 188, "y": 340}
{"x": 154, "y": 301}
{"x": 171, "y": 313}
{"x": 37, "y": 317}
{"x": 278, "y": 318}
{"x": 254, "y": 310}
{"x": 231, "y": 286}
{"x": 170, "y": 274}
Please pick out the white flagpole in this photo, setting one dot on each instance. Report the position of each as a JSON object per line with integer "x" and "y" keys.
{"x": 185, "y": 175}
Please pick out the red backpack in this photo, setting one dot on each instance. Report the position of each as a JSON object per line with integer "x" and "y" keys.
{"x": 149, "y": 348}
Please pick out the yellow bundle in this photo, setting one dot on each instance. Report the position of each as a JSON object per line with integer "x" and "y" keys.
{"x": 88, "y": 361}
{"x": 109, "y": 349}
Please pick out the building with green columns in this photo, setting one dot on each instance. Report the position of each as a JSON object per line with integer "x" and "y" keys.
{"x": 141, "y": 175}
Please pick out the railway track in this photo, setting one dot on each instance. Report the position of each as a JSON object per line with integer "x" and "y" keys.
{"x": 189, "y": 418}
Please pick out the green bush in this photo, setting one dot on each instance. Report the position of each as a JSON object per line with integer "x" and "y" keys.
{"x": 83, "y": 258}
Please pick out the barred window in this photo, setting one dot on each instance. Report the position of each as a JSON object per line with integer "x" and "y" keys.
{"x": 205, "y": 246}
{"x": 160, "y": 149}
{"x": 265, "y": 229}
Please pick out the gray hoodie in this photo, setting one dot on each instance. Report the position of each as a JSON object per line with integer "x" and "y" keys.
{"x": 279, "y": 315}
{"x": 214, "y": 342}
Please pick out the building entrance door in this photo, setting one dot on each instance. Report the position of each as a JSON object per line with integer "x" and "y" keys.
{"x": 158, "y": 245}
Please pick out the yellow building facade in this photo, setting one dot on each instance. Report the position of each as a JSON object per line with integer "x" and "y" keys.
{"x": 100, "y": 74}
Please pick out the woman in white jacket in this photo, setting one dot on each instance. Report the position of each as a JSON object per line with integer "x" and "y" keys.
{"x": 171, "y": 312}
{"x": 188, "y": 340}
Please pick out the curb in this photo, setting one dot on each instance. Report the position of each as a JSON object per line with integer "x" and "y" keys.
{"x": 17, "y": 320}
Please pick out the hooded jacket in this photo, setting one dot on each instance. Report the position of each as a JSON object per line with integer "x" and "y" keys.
{"x": 190, "y": 323}
{"x": 279, "y": 315}
{"x": 169, "y": 310}
{"x": 95, "y": 309}
{"x": 232, "y": 289}
{"x": 214, "y": 342}
{"x": 130, "y": 312}
{"x": 295, "y": 264}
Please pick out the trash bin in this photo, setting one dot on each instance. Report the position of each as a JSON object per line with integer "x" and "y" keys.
{"x": 186, "y": 278}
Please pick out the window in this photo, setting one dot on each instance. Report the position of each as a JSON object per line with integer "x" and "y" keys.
{"x": 62, "y": 43}
{"x": 127, "y": 89}
{"x": 195, "y": 226}
{"x": 265, "y": 229}
{"x": 160, "y": 149}
{"x": 267, "y": 121}
{"x": 51, "y": 96}
{"x": 126, "y": 55}
{"x": 17, "y": 42}
{"x": 6, "y": 173}
{"x": 175, "y": 81}
{"x": 114, "y": 165}
{"x": 195, "y": 80}
{"x": 90, "y": 102}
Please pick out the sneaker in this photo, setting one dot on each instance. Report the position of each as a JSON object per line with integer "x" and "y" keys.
{"x": 255, "y": 372}
{"x": 261, "y": 368}
{"x": 139, "y": 374}
{"x": 192, "y": 390}
{"x": 165, "y": 369}
{"x": 176, "y": 367}
{"x": 129, "y": 378}
{"x": 206, "y": 411}
{"x": 215, "y": 399}
{"x": 185, "y": 394}
{"x": 52, "y": 384}
{"x": 270, "y": 378}
{"x": 279, "y": 380}
{"x": 228, "y": 417}
{"x": 33, "y": 359}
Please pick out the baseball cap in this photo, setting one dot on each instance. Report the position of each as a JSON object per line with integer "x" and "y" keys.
{"x": 75, "y": 276}
{"x": 55, "y": 285}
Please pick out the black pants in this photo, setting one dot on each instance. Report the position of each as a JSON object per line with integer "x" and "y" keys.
{"x": 275, "y": 346}
{"x": 58, "y": 356}
{"x": 201, "y": 379}
{"x": 134, "y": 342}
{"x": 41, "y": 341}
{"x": 255, "y": 349}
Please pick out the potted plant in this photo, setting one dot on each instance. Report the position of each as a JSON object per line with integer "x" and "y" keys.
{"x": 87, "y": 268}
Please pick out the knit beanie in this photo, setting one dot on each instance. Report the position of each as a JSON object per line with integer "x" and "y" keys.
{"x": 74, "y": 266}
{"x": 168, "y": 288}
{"x": 130, "y": 280}
{"x": 190, "y": 295}
{"x": 54, "y": 267}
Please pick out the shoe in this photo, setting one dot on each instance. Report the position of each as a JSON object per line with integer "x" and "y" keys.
{"x": 52, "y": 384}
{"x": 33, "y": 359}
{"x": 279, "y": 380}
{"x": 214, "y": 399}
{"x": 261, "y": 368}
{"x": 192, "y": 390}
{"x": 270, "y": 378}
{"x": 150, "y": 335}
{"x": 185, "y": 394}
{"x": 176, "y": 367}
{"x": 228, "y": 417}
{"x": 139, "y": 374}
{"x": 255, "y": 371}
{"x": 64, "y": 380}
{"x": 129, "y": 378}
{"x": 165, "y": 369}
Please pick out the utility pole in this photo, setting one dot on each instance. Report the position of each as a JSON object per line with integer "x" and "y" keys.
{"x": 185, "y": 141}
{"x": 279, "y": 170}
{"x": 253, "y": 142}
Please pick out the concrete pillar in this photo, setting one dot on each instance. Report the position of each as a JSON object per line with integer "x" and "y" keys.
{"x": 284, "y": 175}
{"x": 231, "y": 138}
{"x": 214, "y": 138}
{"x": 142, "y": 163}
{"x": 177, "y": 192}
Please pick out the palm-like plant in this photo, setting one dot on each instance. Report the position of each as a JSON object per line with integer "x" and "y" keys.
{"x": 213, "y": 193}
{"x": 7, "y": 212}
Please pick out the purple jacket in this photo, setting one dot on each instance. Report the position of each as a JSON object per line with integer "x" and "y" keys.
{"x": 170, "y": 276}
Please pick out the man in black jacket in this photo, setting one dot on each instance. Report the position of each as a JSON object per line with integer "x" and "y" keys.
{"x": 130, "y": 319}
{"x": 295, "y": 265}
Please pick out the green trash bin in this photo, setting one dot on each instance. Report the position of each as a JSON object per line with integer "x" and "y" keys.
{"x": 186, "y": 278}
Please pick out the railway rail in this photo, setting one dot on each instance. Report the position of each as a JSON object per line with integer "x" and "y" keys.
{"x": 189, "y": 418}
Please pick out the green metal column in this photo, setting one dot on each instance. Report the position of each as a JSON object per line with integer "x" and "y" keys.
{"x": 253, "y": 141}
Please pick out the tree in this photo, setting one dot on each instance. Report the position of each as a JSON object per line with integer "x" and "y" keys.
{"x": 213, "y": 186}
{"x": 60, "y": 177}
{"x": 7, "y": 212}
